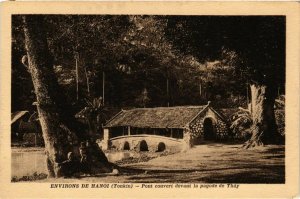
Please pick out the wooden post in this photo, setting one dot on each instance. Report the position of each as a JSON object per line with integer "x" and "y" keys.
{"x": 168, "y": 103}
{"x": 167, "y": 75}
{"x": 106, "y": 138}
{"x": 103, "y": 86}
{"x": 87, "y": 80}
{"x": 200, "y": 89}
{"x": 128, "y": 130}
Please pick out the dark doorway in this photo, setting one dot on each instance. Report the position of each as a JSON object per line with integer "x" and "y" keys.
{"x": 161, "y": 147}
{"x": 208, "y": 128}
{"x": 126, "y": 146}
{"x": 143, "y": 146}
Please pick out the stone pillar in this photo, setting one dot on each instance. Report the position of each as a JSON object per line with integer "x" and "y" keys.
{"x": 105, "y": 140}
{"x": 187, "y": 139}
{"x": 128, "y": 130}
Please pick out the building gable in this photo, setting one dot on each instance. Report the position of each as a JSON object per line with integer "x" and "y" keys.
{"x": 196, "y": 126}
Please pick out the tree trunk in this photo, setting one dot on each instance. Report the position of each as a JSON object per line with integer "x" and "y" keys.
{"x": 58, "y": 135}
{"x": 264, "y": 128}
{"x": 87, "y": 81}
{"x": 77, "y": 78}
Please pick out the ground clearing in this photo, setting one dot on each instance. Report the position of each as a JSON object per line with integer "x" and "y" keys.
{"x": 211, "y": 163}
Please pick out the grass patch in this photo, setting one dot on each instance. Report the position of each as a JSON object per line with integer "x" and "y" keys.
{"x": 33, "y": 177}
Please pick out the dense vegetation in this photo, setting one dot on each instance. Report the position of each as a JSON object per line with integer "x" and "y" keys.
{"x": 147, "y": 61}
{"x": 152, "y": 61}
{"x": 143, "y": 61}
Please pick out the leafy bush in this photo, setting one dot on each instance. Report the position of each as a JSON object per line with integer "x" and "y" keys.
{"x": 280, "y": 121}
{"x": 241, "y": 122}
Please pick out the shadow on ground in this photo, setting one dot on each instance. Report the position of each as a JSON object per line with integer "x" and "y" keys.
{"x": 211, "y": 163}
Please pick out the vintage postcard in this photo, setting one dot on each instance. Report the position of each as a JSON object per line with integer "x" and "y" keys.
{"x": 149, "y": 99}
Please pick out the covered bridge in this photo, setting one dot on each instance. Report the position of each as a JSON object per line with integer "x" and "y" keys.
{"x": 161, "y": 128}
{"x": 26, "y": 129}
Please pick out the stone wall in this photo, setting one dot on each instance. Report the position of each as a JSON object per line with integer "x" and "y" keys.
{"x": 220, "y": 127}
{"x": 187, "y": 138}
{"x": 134, "y": 141}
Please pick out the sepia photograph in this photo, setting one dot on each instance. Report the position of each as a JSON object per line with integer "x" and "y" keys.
{"x": 148, "y": 99}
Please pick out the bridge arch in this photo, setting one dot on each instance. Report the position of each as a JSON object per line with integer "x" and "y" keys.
{"x": 161, "y": 147}
{"x": 143, "y": 146}
{"x": 152, "y": 142}
{"x": 126, "y": 146}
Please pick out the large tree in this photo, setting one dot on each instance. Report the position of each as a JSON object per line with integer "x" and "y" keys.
{"x": 135, "y": 55}
{"x": 258, "y": 41}
{"x": 60, "y": 131}
{"x": 179, "y": 60}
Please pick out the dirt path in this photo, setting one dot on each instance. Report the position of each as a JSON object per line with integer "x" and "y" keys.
{"x": 213, "y": 163}
{"x": 220, "y": 163}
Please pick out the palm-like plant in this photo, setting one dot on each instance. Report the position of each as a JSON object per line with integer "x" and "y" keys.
{"x": 95, "y": 114}
{"x": 241, "y": 123}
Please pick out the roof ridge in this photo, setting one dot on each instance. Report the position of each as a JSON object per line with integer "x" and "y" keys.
{"x": 165, "y": 107}
{"x": 157, "y": 117}
{"x": 119, "y": 113}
